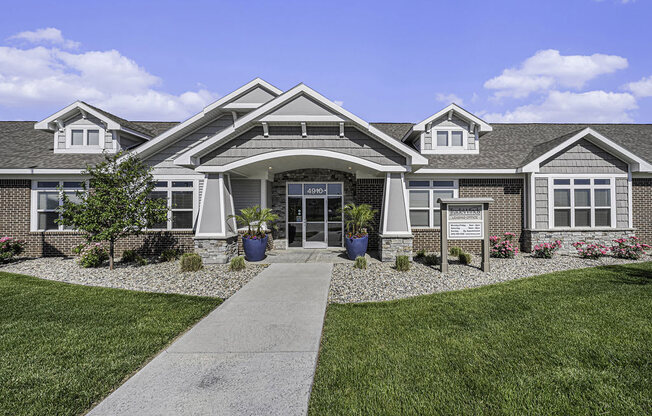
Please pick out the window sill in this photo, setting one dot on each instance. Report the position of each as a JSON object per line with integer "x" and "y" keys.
{"x": 584, "y": 229}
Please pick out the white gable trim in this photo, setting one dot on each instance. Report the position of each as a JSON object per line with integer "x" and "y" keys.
{"x": 637, "y": 164}
{"x": 454, "y": 108}
{"x": 301, "y": 152}
{"x": 191, "y": 157}
{"x": 160, "y": 141}
{"x": 64, "y": 113}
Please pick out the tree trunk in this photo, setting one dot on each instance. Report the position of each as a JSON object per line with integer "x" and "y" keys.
{"x": 111, "y": 252}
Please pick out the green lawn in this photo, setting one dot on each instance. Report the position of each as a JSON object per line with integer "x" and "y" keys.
{"x": 577, "y": 342}
{"x": 63, "y": 347}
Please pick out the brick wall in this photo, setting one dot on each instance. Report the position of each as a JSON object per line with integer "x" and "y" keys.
{"x": 370, "y": 191}
{"x": 505, "y": 214}
{"x": 642, "y": 208}
{"x": 15, "y": 222}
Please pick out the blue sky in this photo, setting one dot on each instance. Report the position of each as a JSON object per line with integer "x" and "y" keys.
{"x": 516, "y": 61}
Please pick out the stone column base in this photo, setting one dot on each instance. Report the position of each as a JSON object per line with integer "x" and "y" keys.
{"x": 393, "y": 246}
{"x": 531, "y": 238}
{"x": 214, "y": 250}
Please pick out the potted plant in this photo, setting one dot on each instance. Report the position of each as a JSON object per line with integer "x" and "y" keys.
{"x": 357, "y": 219}
{"x": 254, "y": 241}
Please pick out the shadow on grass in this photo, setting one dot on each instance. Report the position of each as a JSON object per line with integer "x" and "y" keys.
{"x": 630, "y": 274}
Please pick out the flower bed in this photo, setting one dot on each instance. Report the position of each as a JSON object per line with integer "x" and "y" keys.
{"x": 503, "y": 248}
{"x": 546, "y": 250}
{"x": 590, "y": 250}
{"x": 9, "y": 248}
{"x": 629, "y": 248}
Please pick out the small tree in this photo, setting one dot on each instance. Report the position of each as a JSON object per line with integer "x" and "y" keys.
{"x": 254, "y": 218}
{"x": 358, "y": 218}
{"x": 116, "y": 202}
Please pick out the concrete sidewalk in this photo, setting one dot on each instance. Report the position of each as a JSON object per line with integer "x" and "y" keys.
{"x": 254, "y": 355}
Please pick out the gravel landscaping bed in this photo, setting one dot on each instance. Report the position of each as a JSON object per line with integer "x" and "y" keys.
{"x": 213, "y": 280}
{"x": 380, "y": 281}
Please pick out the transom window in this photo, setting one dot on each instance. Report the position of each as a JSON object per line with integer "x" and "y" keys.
{"x": 79, "y": 137}
{"x": 180, "y": 197}
{"x": 582, "y": 202}
{"x": 48, "y": 198}
{"x": 423, "y": 195}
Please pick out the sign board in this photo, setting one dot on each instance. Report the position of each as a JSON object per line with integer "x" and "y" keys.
{"x": 465, "y": 222}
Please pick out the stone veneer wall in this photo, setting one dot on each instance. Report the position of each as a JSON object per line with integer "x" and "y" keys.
{"x": 214, "y": 251}
{"x": 307, "y": 175}
{"x": 642, "y": 208}
{"x": 505, "y": 214}
{"x": 532, "y": 238}
{"x": 15, "y": 203}
{"x": 391, "y": 247}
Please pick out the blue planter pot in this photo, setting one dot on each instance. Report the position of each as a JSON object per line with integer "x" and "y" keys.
{"x": 254, "y": 248}
{"x": 356, "y": 247}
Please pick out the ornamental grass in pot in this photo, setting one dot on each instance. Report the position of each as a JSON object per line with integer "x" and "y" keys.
{"x": 357, "y": 219}
{"x": 254, "y": 240}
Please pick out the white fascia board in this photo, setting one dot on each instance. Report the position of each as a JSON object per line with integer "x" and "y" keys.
{"x": 216, "y": 106}
{"x": 135, "y": 133}
{"x": 76, "y": 106}
{"x": 186, "y": 158}
{"x": 638, "y": 163}
{"x": 300, "y": 152}
{"x": 241, "y": 106}
{"x": 465, "y": 171}
{"x": 484, "y": 126}
{"x": 314, "y": 119}
{"x": 36, "y": 171}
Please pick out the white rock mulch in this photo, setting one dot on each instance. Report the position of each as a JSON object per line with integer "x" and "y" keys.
{"x": 213, "y": 280}
{"x": 382, "y": 282}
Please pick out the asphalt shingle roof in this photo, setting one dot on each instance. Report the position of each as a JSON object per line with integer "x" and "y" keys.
{"x": 132, "y": 125}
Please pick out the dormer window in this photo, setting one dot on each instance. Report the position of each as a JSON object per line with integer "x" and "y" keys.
{"x": 450, "y": 138}
{"x": 84, "y": 137}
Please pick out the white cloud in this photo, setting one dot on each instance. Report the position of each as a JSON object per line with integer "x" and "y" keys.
{"x": 449, "y": 98}
{"x": 47, "y": 76}
{"x": 642, "y": 88}
{"x": 565, "y": 107}
{"x": 48, "y": 35}
{"x": 549, "y": 69}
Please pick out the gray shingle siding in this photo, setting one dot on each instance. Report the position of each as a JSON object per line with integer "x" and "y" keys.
{"x": 253, "y": 142}
{"x": 246, "y": 193}
{"x": 541, "y": 202}
{"x": 622, "y": 200}
{"x": 583, "y": 157}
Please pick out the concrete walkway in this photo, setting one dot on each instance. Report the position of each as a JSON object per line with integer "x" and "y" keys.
{"x": 254, "y": 355}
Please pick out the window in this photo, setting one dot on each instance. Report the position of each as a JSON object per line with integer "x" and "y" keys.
{"x": 79, "y": 137}
{"x": 582, "y": 202}
{"x": 456, "y": 138}
{"x": 47, "y": 198}
{"x": 180, "y": 197}
{"x": 423, "y": 196}
{"x": 450, "y": 140}
{"x": 442, "y": 138}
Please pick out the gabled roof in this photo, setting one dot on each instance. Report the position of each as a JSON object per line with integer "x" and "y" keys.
{"x": 210, "y": 111}
{"x": 266, "y": 111}
{"x": 112, "y": 121}
{"x": 455, "y": 109}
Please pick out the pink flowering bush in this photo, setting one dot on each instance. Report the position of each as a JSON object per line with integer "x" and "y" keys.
{"x": 546, "y": 250}
{"x": 590, "y": 250}
{"x": 10, "y": 247}
{"x": 503, "y": 248}
{"x": 92, "y": 255}
{"x": 629, "y": 248}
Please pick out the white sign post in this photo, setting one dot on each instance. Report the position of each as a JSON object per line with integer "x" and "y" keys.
{"x": 464, "y": 219}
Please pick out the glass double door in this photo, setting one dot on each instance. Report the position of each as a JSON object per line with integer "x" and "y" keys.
{"x": 314, "y": 221}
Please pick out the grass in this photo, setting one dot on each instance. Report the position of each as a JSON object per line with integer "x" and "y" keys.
{"x": 576, "y": 342}
{"x": 64, "y": 347}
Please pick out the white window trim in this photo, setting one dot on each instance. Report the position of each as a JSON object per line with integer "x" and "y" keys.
{"x": 449, "y": 149}
{"x": 432, "y": 211}
{"x": 85, "y": 129}
{"x": 572, "y": 187}
{"x": 34, "y": 211}
{"x": 169, "y": 189}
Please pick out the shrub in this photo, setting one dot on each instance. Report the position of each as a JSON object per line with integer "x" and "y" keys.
{"x": 237, "y": 264}
{"x": 360, "y": 263}
{"x": 546, "y": 250}
{"x": 590, "y": 250}
{"x": 629, "y": 248}
{"x": 465, "y": 258}
{"x": 420, "y": 254}
{"x": 191, "y": 262}
{"x": 93, "y": 255}
{"x": 10, "y": 247}
{"x": 455, "y": 251}
{"x": 431, "y": 260}
{"x": 77, "y": 250}
{"x": 503, "y": 248}
{"x": 129, "y": 256}
{"x": 402, "y": 263}
{"x": 170, "y": 254}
